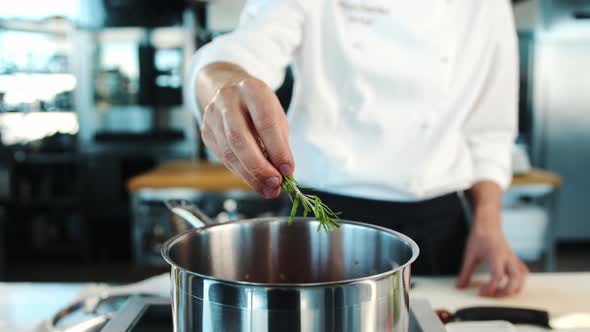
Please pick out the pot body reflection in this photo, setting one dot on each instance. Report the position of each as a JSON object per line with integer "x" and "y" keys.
{"x": 263, "y": 275}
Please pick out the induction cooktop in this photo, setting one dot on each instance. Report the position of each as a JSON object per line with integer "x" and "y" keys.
{"x": 142, "y": 314}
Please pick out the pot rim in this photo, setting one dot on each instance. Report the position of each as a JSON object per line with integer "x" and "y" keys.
{"x": 167, "y": 246}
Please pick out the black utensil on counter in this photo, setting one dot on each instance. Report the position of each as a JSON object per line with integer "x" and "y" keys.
{"x": 512, "y": 315}
{"x": 521, "y": 316}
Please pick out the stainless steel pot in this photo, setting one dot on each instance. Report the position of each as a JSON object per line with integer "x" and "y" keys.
{"x": 263, "y": 275}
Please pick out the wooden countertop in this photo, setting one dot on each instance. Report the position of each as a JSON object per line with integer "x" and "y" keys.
{"x": 536, "y": 177}
{"x": 215, "y": 177}
{"x": 188, "y": 174}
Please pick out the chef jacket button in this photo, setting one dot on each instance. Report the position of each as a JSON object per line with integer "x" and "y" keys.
{"x": 444, "y": 59}
{"x": 425, "y": 125}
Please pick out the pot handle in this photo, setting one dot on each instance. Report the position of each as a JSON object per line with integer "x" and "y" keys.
{"x": 189, "y": 212}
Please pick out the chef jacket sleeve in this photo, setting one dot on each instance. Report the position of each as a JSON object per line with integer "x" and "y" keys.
{"x": 263, "y": 44}
{"x": 492, "y": 126}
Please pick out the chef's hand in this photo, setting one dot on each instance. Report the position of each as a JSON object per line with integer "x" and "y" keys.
{"x": 487, "y": 244}
{"x": 238, "y": 109}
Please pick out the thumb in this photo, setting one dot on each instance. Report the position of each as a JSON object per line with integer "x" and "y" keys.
{"x": 469, "y": 265}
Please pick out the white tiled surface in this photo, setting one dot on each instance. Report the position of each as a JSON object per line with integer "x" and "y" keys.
{"x": 558, "y": 293}
{"x": 24, "y": 305}
{"x": 481, "y": 327}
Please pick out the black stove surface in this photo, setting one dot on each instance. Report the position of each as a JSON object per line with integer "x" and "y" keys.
{"x": 142, "y": 314}
{"x": 156, "y": 318}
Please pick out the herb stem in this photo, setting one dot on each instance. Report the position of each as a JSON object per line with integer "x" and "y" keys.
{"x": 311, "y": 203}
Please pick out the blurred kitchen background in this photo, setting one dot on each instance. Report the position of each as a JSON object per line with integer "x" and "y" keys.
{"x": 94, "y": 136}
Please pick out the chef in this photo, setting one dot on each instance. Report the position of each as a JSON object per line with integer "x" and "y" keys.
{"x": 400, "y": 109}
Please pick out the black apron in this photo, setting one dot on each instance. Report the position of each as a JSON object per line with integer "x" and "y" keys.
{"x": 438, "y": 225}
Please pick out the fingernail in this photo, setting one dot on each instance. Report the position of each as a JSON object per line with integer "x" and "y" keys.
{"x": 273, "y": 182}
{"x": 285, "y": 169}
{"x": 269, "y": 193}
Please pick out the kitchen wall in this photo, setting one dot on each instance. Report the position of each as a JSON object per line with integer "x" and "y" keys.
{"x": 62, "y": 177}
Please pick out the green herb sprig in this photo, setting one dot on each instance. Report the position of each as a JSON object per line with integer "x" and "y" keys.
{"x": 311, "y": 203}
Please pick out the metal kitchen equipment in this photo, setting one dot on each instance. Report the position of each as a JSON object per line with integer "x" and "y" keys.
{"x": 153, "y": 224}
{"x": 97, "y": 304}
{"x": 561, "y": 102}
{"x": 266, "y": 275}
{"x": 189, "y": 212}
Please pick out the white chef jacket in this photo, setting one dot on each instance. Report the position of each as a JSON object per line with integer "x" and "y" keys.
{"x": 393, "y": 99}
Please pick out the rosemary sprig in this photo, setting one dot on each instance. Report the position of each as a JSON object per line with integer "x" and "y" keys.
{"x": 311, "y": 203}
